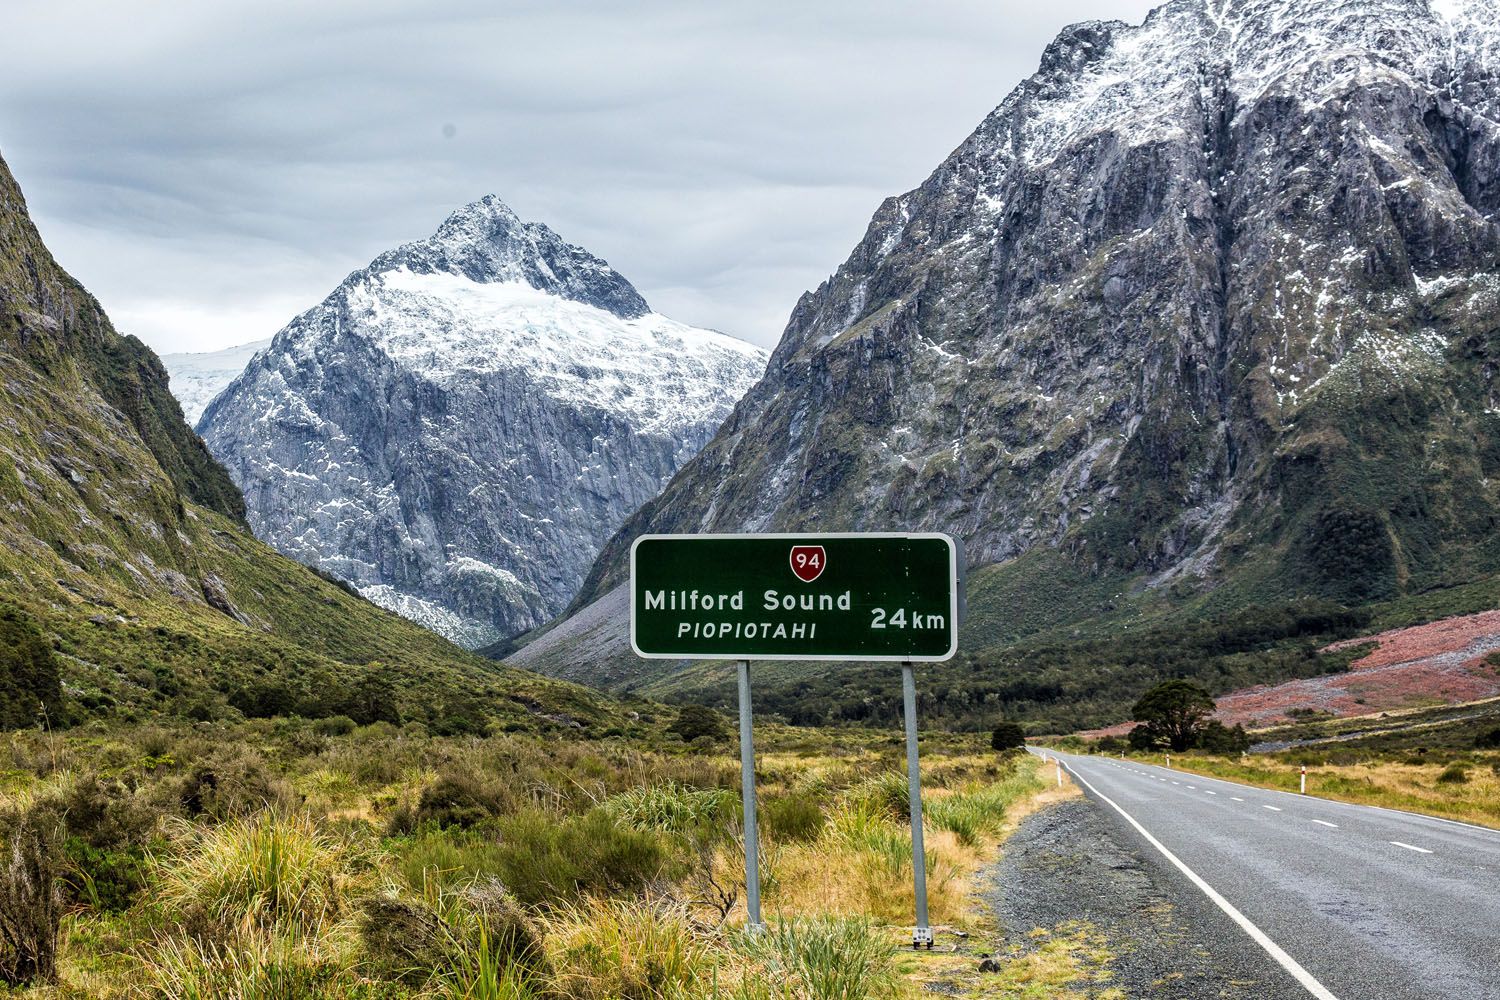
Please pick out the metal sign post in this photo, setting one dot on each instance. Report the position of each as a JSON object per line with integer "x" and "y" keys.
{"x": 922, "y": 933}
{"x": 833, "y": 597}
{"x": 747, "y": 796}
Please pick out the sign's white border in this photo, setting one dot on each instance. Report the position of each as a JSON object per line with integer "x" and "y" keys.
{"x": 955, "y": 589}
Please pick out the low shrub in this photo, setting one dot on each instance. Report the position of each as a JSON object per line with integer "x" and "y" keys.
{"x": 1008, "y": 735}
{"x": 402, "y": 940}
{"x": 545, "y": 862}
{"x": 459, "y": 798}
{"x": 886, "y": 795}
{"x": 256, "y": 966}
{"x": 30, "y": 911}
{"x": 231, "y": 784}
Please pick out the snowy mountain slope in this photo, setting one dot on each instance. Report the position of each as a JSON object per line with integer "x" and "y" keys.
{"x": 1208, "y": 306}
{"x": 199, "y": 376}
{"x": 459, "y": 426}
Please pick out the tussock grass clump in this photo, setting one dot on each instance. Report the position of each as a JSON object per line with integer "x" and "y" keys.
{"x": 673, "y": 808}
{"x": 794, "y": 817}
{"x": 1454, "y": 774}
{"x": 272, "y": 869}
{"x": 627, "y": 950}
{"x": 544, "y": 859}
{"x": 822, "y": 958}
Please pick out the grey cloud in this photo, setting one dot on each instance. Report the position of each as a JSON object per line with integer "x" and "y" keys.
{"x": 210, "y": 169}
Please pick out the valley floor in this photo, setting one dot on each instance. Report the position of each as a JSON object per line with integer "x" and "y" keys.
{"x": 317, "y": 860}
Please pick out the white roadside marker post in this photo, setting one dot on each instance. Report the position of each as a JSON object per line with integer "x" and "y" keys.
{"x": 922, "y": 933}
{"x": 1169, "y": 760}
{"x": 1059, "y": 773}
{"x": 1304, "y": 779}
{"x": 747, "y": 796}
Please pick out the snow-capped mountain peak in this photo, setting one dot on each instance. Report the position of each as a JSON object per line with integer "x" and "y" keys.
{"x": 458, "y": 426}
{"x": 486, "y": 242}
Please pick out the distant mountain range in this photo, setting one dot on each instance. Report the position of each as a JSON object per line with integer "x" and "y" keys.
{"x": 459, "y": 426}
{"x": 1205, "y": 316}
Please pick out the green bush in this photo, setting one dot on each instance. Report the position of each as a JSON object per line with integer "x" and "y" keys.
{"x": 233, "y": 783}
{"x": 30, "y": 691}
{"x": 402, "y": 940}
{"x": 544, "y": 861}
{"x": 1488, "y": 741}
{"x": 1227, "y": 741}
{"x": 1008, "y": 735}
{"x": 696, "y": 721}
{"x": 674, "y": 808}
{"x": 459, "y": 798}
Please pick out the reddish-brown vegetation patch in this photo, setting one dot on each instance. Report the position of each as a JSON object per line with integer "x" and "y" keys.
{"x": 1441, "y": 663}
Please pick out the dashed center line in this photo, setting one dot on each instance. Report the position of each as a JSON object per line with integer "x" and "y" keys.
{"x": 1272, "y": 808}
{"x": 1411, "y": 847}
{"x": 1207, "y": 792}
{"x": 1324, "y": 822}
{"x": 1236, "y": 798}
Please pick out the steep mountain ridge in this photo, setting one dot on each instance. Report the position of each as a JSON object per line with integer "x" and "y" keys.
{"x": 128, "y": 585}
{"x": 459, "y": 426}
{"x": 1205, "y": 310}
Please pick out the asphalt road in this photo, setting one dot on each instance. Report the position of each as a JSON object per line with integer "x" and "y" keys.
{"x": 1339, "y": 901}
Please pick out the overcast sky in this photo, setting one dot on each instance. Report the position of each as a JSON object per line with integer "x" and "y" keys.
{"x": 209, "y": 170}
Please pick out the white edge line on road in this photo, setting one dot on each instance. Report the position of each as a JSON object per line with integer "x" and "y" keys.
{"x": 1324, "y": 822}
{"x": 1412, "y": 847}
{"x": 1271, "y": 948}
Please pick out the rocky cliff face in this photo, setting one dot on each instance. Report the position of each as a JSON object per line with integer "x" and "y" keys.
{"x": 459, "y": 426}
{"x": 1210, "y": 302}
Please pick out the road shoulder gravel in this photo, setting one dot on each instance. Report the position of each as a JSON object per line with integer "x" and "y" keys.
{"x": 1069, "y": 863}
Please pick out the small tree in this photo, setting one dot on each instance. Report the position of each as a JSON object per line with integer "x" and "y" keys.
{"x": 1172, "y": 713}
{"x": 1008, "y": 736}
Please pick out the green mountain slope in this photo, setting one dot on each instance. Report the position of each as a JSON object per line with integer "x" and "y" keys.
{"x": 128, "y": 581}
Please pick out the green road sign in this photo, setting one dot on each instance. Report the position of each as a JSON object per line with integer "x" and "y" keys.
{"x": 795, "y": 597}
